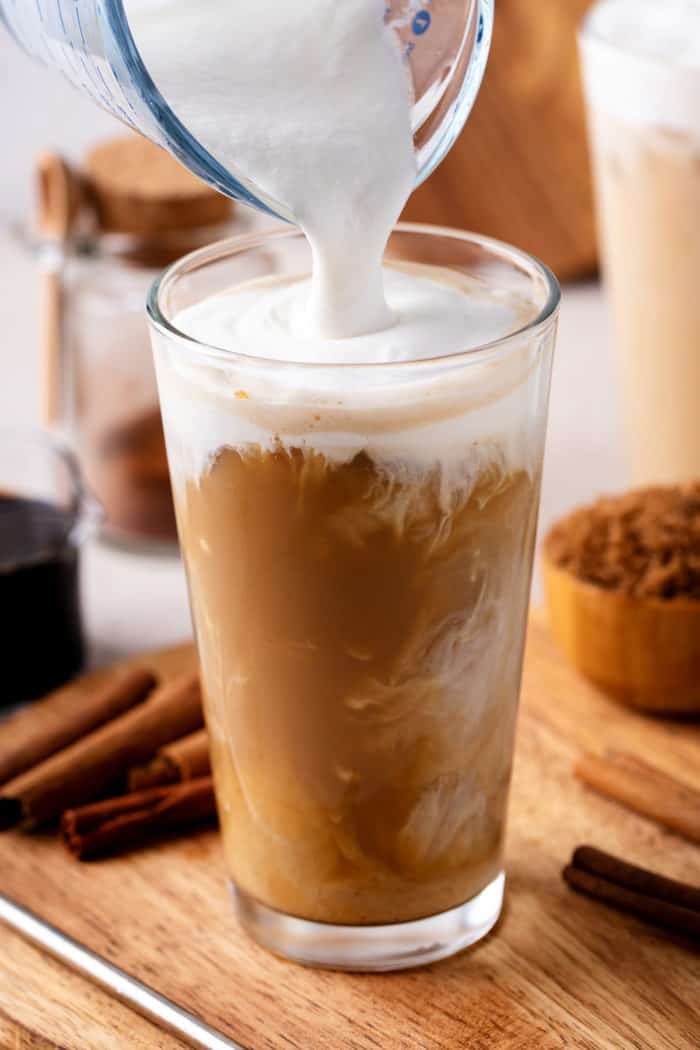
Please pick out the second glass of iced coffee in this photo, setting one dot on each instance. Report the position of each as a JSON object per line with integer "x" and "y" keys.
{"x": 641, "y": 65}
{"x": 358, "y": 541}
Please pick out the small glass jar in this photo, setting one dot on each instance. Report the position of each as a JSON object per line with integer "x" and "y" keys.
{"x": 109, "y": 389}
{"x": 46, "y": 515}
{"x": 109, "y": 228}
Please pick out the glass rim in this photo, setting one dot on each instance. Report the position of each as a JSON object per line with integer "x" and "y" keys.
{"x": 212, "y": 253}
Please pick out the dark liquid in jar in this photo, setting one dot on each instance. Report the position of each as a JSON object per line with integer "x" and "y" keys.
{"x": 42, "y": 638}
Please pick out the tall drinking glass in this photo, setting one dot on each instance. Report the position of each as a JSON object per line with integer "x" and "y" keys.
{"x": 358, "y": 541}
{"x": 641, "y": 63}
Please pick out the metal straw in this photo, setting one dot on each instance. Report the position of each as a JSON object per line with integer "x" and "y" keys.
{"x": 130, "y": 991}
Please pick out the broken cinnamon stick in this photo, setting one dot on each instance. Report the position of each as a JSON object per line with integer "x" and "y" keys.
{"x": 66, "y": 715}
{"x": 121, "y": 824}
{"x": 664, "y": 902}
{"x": 184, "y": 759}
{"x": 645, "y": 789}
{"x": 81, "y": 772}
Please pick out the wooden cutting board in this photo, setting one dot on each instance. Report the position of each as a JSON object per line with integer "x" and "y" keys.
{"x": 560, "y": 971}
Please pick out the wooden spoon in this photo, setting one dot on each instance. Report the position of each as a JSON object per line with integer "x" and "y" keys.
{"x": 59, "y": 197}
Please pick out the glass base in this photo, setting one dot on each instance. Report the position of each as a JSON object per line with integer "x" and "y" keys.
{"x": 397, "y": 946}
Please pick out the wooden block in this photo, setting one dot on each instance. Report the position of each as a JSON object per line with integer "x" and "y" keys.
{"x": 520, "y": 169}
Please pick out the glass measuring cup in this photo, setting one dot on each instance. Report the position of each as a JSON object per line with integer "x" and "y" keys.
{"x": 445, "y": 43}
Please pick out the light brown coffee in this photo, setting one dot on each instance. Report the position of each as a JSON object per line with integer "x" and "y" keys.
{"x": 649, "y": 188}
{"x": 359, "y": 626}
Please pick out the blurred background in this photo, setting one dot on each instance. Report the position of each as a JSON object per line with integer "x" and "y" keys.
{"x": 520, "y": 171}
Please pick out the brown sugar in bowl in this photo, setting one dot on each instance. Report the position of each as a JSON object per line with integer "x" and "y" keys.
{"x": 615, "y": 596}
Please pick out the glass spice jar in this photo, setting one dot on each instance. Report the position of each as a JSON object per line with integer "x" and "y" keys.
{"x": 139, "y": 211}
{"x": 111, "y": 401}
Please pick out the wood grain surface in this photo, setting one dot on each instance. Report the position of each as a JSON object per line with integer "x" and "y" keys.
{"x": 560, "y": 971}
{"x": 520, "y": 169}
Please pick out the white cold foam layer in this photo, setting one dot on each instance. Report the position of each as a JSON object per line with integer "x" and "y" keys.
{"x": 309, "y": 101}
{"x": 409, "y": 418}
{"x": 641, "y": 62}
{"x": 436, "y": 313}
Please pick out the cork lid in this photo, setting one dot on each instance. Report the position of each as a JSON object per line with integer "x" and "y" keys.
{"x": 138, "y": 188}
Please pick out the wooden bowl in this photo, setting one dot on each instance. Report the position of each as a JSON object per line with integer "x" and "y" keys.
{"x": 644, "y": 652}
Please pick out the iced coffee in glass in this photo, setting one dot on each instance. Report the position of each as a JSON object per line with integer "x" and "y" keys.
{"x": 641, "y": 63}
{"x": 358, "y": 536}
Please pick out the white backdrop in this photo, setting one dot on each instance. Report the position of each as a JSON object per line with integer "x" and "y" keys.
{"x": 38, "y": 110}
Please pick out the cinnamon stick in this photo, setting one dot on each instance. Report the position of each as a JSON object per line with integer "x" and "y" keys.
{"x": 134, "y": 820}
{"x": 49, "y": 725}
{"x": 644, "y": 789}
{"x": 184, "y": 759}
{"x": 81, "y": 772}
{"x": 597, "y": 862}
{"x": 661, "y": 901}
